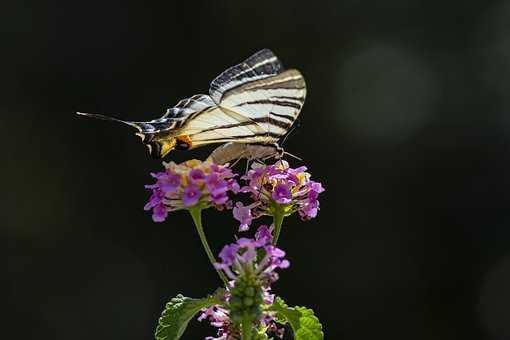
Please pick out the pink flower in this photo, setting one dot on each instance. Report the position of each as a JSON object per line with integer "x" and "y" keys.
{"x": 169, "y": 182}
{"x": 257, "y": 256}
{"x": 251, "y": 264}
{"x": 243, "y": 215}
{"x": 196, "y": 175}
{"x": 191, "y": 183}
{"x": 279, "y": 186}
{"x": 191, "y": 195}
{"x": 281, "y": 193}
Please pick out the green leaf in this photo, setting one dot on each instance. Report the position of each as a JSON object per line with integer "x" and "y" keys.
{"x": 177, "y": 314}
{"x": 304, "y": 323}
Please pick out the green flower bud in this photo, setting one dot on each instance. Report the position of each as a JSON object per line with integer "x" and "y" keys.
{"x": 247, "y": 301}
{"x": 246, "y": 298}
{"x": 249, "y": 291}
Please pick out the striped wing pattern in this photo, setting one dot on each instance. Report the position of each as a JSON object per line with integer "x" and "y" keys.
{"x": 273, "y": 103}
{"x": 177, "y": 116}
{"x": 256, "y": 103}
{"x": 262, "y": 64}
{"x": 252, "y": 102}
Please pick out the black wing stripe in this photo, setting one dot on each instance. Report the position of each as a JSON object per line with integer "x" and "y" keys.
{"x": 272, "y": 121}
{"x": 261, "y": 65}
{"x": 288, "y": 117}
{"x": 273, "y": 102}
{"x": 188, "y": 106}
{"x": 299, "y": 99}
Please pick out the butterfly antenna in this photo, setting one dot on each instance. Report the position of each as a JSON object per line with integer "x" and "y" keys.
{"x": 108, "y": 118}
{"x": 293, "y": 156}
{"x": 288, "y": 133}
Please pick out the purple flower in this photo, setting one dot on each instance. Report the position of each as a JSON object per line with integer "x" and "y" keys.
{"x": 219, "y": 199}
{"x": 278, "y": 187}
{"x": 191, "y": 183}
{"x": 169, "y": 183}
{"x": 228, "y": 254}
{"x": 155, "y": 199}
{"x": 309, "y": 210}
{"x": 217, "y": 188}
{"x": 315, "y": 187}
{"x": 191, "y": 195}
{"x": 281, "y": 193}
{"x": 257, "y": 256}
{"x": 196, "y": 175}
{"x": 219, "y": 317}
{"x": 251, "y": 264}
{"x": 159, "y": 213}
{"x": 213, "y": 182}
{"x": 263, "y": 236}
{"x": 249, "y": 250}
{"x": 243, "y": 215}
{"x": 276, "y": 257}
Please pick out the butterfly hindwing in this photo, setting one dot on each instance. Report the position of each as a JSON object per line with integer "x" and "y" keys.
{"x": 217, "y": 125}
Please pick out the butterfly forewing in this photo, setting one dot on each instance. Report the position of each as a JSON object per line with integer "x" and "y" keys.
{"x": 273, "y": 103}
{"x": 261, "y": 65}
{"x": 255, "y": 103}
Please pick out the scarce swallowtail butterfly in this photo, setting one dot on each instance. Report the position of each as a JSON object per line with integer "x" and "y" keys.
{"x": 250, "y": 106}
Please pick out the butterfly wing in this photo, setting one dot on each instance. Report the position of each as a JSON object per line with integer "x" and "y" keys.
{"x": 274, "y": 103}
{"x": 260, "y": 65}
{"x": 173, "y": 119}
{"x": 217, "y": 125}
{"x": 256, "y": 102}
{"x": 252, "y": 102}
{"x": 161, "y": 135}
{"x": 259, "y": 90}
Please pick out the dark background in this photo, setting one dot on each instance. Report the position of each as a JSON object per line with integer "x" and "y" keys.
{"x": 406, "y": 124}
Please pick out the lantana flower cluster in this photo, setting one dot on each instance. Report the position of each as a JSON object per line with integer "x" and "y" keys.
{"x": 256, "y": 256}
{"x": 278, "y": 187}
{"x": 189, "y": 184}
{"x": 251, "y": 264}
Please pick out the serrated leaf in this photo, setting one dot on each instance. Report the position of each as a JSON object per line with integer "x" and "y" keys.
{"x": 304, "y": 323}
{"x": 177, "y": 314}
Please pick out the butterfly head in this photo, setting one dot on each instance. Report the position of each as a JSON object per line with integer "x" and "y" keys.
{"x": 160, "y": 145}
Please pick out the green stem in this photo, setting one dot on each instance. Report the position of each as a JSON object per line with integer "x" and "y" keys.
{"x": 196, "y": 214}
{"x": 278, "y": 221}
{"x": 246, "y": 328}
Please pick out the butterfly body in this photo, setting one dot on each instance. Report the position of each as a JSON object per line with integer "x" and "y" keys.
{"x": 229, "y": 152}
{"x": 254, "y": 102}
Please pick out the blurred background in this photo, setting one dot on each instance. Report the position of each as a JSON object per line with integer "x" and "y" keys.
{"x": 407, "y": 125}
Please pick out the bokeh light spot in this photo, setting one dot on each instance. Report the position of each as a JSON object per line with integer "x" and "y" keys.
{"x": 385, "y": 94}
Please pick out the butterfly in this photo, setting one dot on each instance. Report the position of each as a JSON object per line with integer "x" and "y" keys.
{"x": 249, "y": 108}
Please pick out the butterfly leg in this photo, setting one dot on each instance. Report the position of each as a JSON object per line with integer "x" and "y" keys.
{"x": 278, "y": 153}
{"x": 247, "y": 166}
{"x": 236, "y": 161}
